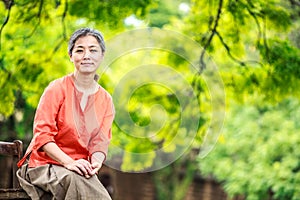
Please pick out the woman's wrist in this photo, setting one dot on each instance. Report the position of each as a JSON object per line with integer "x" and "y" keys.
{"x": 98, "y": 157}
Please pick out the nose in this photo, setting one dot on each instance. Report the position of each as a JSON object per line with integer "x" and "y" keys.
{"x": 87, "y": 54}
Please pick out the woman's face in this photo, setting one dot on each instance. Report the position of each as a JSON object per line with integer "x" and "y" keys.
{"x": 87, "y": 54}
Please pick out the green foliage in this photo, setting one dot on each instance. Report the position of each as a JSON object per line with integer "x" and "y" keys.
{"x": 254, "y": 43}
{"x": 110, "y": 12}
{"x": 254, "y": 35}
{"x": 173, "y": 181}
{"x": 7, "y": 98}
{"x": 154, "y": 117}
{"x": 258, "y": 152}
{"x": 162, "y": 13}
{"x": 32, "y": 54}
{"x": 285, "y": 59}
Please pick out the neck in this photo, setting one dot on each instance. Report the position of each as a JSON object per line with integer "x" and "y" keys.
{"x": 84, "y": 81}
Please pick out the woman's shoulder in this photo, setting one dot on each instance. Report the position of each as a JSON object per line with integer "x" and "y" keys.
{"x": 104, "y": 93}
{"x": 60, "y": 82}
{"x": 59, "y": 85}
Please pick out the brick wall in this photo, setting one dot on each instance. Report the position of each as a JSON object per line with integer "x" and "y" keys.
{"x": 140, "y": 186}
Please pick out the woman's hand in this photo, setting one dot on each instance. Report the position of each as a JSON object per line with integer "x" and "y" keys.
{"x": 97, "y": 160}
{"x": 96, "y": 167}
{"x": 82, "y": 167}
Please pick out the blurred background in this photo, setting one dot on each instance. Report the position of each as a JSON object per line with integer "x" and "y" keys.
{"x": 255, "y": 46}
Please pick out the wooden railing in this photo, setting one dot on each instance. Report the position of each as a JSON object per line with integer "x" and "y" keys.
{"x": 15, "y": 151}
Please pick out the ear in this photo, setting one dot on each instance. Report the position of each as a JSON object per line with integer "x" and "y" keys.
{"x": 70, "y": 56}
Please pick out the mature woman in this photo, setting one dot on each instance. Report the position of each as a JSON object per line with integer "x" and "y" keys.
{"x": 72, "y": 129}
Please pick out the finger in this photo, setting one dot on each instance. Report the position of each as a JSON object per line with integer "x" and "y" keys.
{"x": 73, "y": 167}
{"x": 77, "y": 170}
{"x": 83, "y": 169}
{"x": 86, "y": 165}
{"x": 96, "y": 167}
{"x": 95, "y": 171}
{"x": 87, "y": 176}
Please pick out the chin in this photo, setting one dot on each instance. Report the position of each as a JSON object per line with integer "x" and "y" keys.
{"x": 86, "y": 70}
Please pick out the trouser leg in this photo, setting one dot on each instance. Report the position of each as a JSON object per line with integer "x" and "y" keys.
{"x": 75, "y": 186}
{"x": 35, "y": 192}
{"x": 56, "y": 182}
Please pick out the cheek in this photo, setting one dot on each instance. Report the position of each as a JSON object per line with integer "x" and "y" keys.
{"x": 75, "y": 58}
{"x": 100, "y": 58}
{"x": 96, "y": 57}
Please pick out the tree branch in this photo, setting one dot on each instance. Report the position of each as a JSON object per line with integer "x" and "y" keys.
{"x": 208, "y": 42}
{"x": 64, "y": 32}
{"x": 253, "y": 15}
{"x": 265, "y": 40}
{"x": 63, "y": 19}
{"x": 39, "y": 19}
{"x": 295, "y": 2}
{"x": 8, "y": 5}
{"x": 242, "y": 63}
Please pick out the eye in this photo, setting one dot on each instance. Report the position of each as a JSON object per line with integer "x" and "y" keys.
{"x": 94, "y": 50}
{"x": 78, "y": 50}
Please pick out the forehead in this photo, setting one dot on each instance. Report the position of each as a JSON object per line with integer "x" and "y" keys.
{"x": 86, "y": 41}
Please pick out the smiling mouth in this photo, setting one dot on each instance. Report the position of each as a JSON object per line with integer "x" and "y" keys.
{"x": 86, "y": 63}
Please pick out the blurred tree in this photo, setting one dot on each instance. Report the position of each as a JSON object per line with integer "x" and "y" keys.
{"x": 33, "y": 36}
{"x": 254, "y": 44}
{"x": 27, "y": 58}
{"x": 163, "y": 12}
{"x": 257, "y": 155}
{"x": 173, "y": 181}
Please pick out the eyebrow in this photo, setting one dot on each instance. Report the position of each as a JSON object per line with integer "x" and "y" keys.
{"x": 90, "y": 46}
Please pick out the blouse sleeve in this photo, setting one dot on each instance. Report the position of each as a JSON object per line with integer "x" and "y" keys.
{"x": 45, "y": 125}
{"x": 102, "y": 140}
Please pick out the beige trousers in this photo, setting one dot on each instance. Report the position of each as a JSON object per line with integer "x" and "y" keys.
{"x": 58, "y": 183}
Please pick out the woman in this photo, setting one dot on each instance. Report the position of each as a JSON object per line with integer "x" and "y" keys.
{"x": 72, "y": 129}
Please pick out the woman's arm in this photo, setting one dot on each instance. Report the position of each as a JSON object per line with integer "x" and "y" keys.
{"x": 97, "y": 161}
{"x": 81, "y": 166}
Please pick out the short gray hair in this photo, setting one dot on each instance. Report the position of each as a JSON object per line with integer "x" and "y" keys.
{"x": 85, "y": 32}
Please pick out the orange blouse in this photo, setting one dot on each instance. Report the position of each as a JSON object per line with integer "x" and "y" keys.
{"x": 60, "y": 119}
